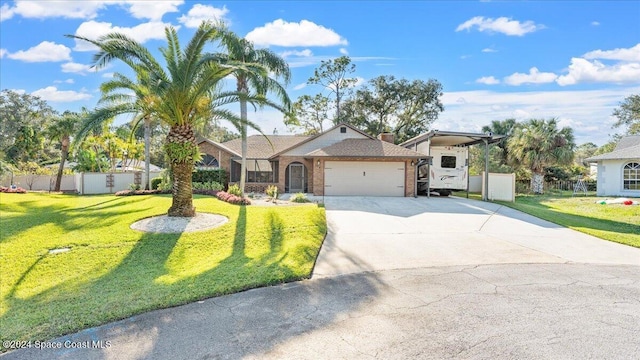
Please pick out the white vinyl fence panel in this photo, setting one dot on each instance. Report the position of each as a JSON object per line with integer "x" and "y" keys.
{"x": 501, "y": 187}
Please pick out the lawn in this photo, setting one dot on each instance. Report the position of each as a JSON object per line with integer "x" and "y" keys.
{"x": 112, "y": 272}
{"x": 617, "y": 223}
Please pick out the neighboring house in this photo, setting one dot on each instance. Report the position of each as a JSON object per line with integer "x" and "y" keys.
{"x": 619, "y": 170}
{"x": 340, "y": 161}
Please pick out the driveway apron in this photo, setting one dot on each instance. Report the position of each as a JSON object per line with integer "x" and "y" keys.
{"x": 385, "y": 233}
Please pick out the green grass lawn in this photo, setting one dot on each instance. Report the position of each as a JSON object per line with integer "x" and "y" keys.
{"x": 113, "y": 272}
{"x": 617, "y": 222}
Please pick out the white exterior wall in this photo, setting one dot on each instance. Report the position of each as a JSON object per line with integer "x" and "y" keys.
{"x": 96, "y": 183}
{"x": 324, "y": 140}
{"x": 475, "y": 183}
{"x": 40, "y": 182}
{"x": 610, "y": 178}
{"x": 502, "y": 187}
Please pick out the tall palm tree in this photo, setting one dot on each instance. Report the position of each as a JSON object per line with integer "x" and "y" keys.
{"x": 187, "y": 92}
{"x": 61, "y": 130}
{"x": 253, "y": 77}
{"x": 504, "y": 127}
{"x": 537, "y": 144}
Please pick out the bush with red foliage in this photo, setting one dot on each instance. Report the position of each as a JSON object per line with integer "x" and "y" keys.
{"x": 232, "y": 199}
{"x": 141, "y": 192}
{"x": 12, "y": 190}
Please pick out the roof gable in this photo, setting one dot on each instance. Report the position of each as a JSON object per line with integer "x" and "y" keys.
{"x": 324, "y": 139}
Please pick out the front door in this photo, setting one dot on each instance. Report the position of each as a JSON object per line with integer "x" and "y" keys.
{"x": 296, "y": 178}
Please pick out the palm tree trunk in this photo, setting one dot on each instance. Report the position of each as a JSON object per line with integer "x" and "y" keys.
{"x": 63, "y": 157}
{"x": 182, "y": 204}
{"x": 147, "y": 155}
{"x": 243, "y": 166}
{"x": 537, "y": 183}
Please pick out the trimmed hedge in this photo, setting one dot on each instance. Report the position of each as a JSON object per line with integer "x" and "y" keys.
{"x": 210, "y": 175}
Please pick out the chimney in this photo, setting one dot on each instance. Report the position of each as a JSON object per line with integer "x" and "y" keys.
{"x": 388, "y": 137}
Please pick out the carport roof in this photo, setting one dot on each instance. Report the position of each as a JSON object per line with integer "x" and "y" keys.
{"x": 453, "y": 138}
{"x": 366, "y": 148}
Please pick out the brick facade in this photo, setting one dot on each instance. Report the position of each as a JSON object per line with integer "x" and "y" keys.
{"x": 224, "y": 158}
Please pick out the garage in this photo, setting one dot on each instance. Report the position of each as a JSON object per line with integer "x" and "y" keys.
{"x": 364, "y": 178}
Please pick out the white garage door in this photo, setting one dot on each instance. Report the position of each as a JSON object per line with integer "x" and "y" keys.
{"x": 366, "y": 178}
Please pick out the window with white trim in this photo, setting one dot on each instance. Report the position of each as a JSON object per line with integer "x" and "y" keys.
{"x": 631, "y": 176}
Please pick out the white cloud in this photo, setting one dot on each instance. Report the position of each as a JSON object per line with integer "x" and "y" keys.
{"x": 533, "y": 77}
{"x": 300, "y": 86}
{"x": 595, "y": 23}
{"x": 46, "y": 51}
{"x": 199, "y": 13}
{"x": 488, "y": 80}
{"x": 344, "y": 51}
{"x": 75, "y": 9}
{"x": 304, "y": 33}
{"x": 584, "y": 71}
{"x": 622, "y": 54}
{"x": 591, "y": 108}
{"x": 3, "y": 52}
{"x": 502, "y": 25}
{"x": 108, "y": 75}
{"x": 301, "y": 53}
{"x": 93, "y": 30}
{"x": 46, "y": 9}
{"x": 153, "y": 10}
{"x": 489, "y": 50}
{"x": 76, "y": 68}
{"x": 6, "y": 12}
{"x": 51, "y": 93}
{"x": 68, "y": 81}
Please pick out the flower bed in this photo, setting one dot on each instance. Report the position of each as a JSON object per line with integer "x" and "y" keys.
{"x": 232, "y": 199}
{"x": 12, "y": 190}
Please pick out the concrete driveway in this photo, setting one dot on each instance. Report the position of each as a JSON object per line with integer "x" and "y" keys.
{"x": 373, "y": 234}
{"x": 407, "y": 278}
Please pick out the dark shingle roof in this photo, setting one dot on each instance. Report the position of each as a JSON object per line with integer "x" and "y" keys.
{"x": 366, "y": 148}
{"x": 259, "y": 148}
{"x": 628, "y": 148}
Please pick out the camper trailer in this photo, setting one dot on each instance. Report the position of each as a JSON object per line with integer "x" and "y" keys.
{"x": 449, "y": 171}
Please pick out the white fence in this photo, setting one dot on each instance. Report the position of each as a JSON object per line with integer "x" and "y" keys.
{"x": 82, "y": 183}
{"x": 501, "y": 187}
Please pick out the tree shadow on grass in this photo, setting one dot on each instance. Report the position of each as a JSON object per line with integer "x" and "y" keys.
{"x": 133, "y": 287}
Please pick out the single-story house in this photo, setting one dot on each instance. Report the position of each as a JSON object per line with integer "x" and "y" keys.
{"x": 619, "y": 170}
{"x": 340, "y": 161}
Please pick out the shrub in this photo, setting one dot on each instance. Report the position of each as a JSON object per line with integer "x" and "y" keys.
{"x": 299, "y": 198}
{"x": 12, "y": 190}
{"x": 155, "y": 183}
{"x": 141, "y": 192}
{"x": 272, "y": 191}
{"x": 209, "y": 185}
{"x": 234, "y": 190}
{"x": 232, "y": 199}
{"x": 134, "y": 187}
{"x": 208, "y": 175}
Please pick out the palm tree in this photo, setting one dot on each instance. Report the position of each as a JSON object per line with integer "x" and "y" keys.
{"x": 185, "y": 93}
{"x": 61, "y": 130}
{"x": 254, "y": 77}
{"x": 537, "y": 144}
{"x": 504, "y": 127}
{"x": 140, "y": 102}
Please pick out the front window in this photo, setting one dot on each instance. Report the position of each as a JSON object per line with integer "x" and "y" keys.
{"x": 258, "y": 171}
{"x": 631, "y": 176}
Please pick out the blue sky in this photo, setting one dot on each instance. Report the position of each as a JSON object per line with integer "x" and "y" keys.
{"x": 573, "y": 60}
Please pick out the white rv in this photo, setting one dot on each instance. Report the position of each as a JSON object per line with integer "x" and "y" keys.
{"x": 449, "y": 170}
